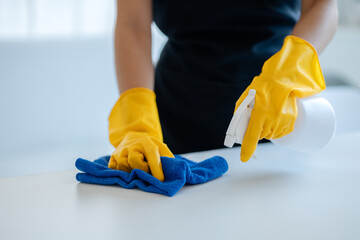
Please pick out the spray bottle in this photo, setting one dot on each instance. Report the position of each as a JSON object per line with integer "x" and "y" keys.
{"x": 313, "y": 130}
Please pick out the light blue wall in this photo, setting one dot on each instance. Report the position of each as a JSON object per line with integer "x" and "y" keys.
{"x": 55, "y": 97}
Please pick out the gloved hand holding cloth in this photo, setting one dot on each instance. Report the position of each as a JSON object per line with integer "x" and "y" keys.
{"x": 293, "y": 72}
{"x": 135, "y": 132}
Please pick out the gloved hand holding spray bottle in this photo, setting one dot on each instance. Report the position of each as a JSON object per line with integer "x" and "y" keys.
{"x": 280, "y": 104}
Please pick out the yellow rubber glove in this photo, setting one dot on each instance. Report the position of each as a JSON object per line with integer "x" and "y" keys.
{"x": 135, "y": 132}
{"x": 292, "y": 72}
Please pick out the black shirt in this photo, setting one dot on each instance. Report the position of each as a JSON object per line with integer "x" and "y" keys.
{"x": 215, "y": 49}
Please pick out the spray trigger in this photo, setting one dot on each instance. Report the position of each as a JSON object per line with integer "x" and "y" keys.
{"x": 240, "y": 121}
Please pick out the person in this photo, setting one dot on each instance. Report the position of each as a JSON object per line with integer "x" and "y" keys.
{"x": 216, "y": 51}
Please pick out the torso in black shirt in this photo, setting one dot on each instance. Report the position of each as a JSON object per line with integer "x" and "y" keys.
{"x": 214, "y": 50}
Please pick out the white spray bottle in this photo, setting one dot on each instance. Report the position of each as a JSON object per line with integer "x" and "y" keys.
{"x": 313, "y": 130}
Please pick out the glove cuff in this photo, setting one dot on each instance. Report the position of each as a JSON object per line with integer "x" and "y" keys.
{"x": 135, "y": 111}
{"x": 295, "y": 67}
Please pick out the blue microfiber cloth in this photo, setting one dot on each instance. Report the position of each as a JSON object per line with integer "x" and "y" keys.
{"x": 178, "y": 171}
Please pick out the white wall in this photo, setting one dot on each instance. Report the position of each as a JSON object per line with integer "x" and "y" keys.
{"x": 341, "y": 58}
{"x": 39, "y": 19}
{"x": 55, "y": 96}
{"x": 57, "y": 82}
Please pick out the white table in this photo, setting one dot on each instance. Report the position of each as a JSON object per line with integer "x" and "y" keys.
{"x": 279, "y": 195}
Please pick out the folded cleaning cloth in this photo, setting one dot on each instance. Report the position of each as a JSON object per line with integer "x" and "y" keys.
{"x": 178, "y": 171}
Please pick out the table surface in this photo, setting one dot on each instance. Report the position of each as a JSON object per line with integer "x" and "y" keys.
{"x": 281, "y": 194}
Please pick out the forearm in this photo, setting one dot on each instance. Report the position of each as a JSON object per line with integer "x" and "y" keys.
{"x": 318, "y": 22}
{"x": 133, "y": 62}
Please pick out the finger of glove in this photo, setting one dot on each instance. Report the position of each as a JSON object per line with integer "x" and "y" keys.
{"x": 251, "y": 137}
{"x": 284, "y": 123}
{"x": 122, "y": 160}
{"x": 136, "y": 160}
{"x": 163, "y": 149}
{"x": 289, "y": 127}
{"x": 278, "y": 131}
{"x": 112, "y": 162}
{"x": 288, "y": 120}
{"x": 267, "y": 130}
{"x": 118, "y": 161}
{"x": 152, "y": 156}
{"x": 273, "y": 130}
{"x": 279, "y": 134}
{"x": 284, "y": 128}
